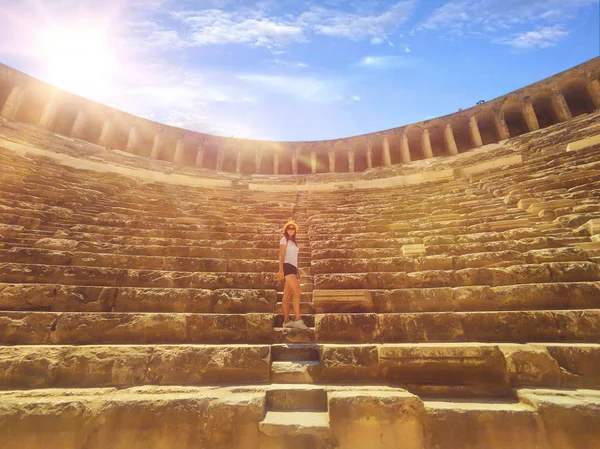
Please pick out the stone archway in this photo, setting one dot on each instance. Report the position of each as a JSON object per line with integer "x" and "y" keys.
{"x": 577, "y": 96}
{"x": 486, "y": 122}
{"x": 513, "y": 116}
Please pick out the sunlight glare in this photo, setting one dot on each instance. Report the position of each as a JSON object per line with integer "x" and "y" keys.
{"x": 77, "y": 58}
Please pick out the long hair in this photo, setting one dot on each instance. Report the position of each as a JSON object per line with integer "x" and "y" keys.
{"x": 293, "y": 238}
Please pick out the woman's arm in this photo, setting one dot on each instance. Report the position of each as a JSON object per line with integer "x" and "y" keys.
{"x": 281, "y": 259}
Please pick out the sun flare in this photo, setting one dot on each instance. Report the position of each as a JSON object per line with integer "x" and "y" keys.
{"x": 78, "y": 58}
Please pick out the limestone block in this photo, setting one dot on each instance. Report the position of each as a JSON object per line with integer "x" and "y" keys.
{"x": 579, "y": 364}
{"x": 537, "y": 207}
{"x": 89, "y": 276}
{"x": 119, "y": 419}
{"x": 27, "y": 296}
{"x": 26, "y": 328}
{"x": 565, "y": 254}
{"x": 488, "y": 259}
{"x": 166, "y": 279}
{"x": 26, "y": 273}
{"x": 414, "y": 250}
{"x": 90, "y": 299}
{"x": 9, "y": 230}
{"x": 216, "y": 328}
{"x": 476, "y": 425}
{"x": 244, "y": 300}
{"x": 462, "y": 364}
{"x": 376, "y": 419}
{"x": 414, "y": 300}
{"x": 163, "y": 300}
{"x": 193, "y": 365}
{"x": 57, "y": 244}
{"x": 260, "y": 328}
{"x": 342, "y": 301}
{"x": 194, "y": 264}
{"x": 570, "y": 418}
{"x": 528, "y": 365}
{"x": 592, "y": 227}
{"x": 347, "y": 328}
{"x": 574, "y": 271}
{"x": 414, "y": 327}
{"x": 349, "y": 363}
{"x": 131, "y": 328}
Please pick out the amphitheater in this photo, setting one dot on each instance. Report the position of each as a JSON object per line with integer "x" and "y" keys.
{"x": 451, "y": 281}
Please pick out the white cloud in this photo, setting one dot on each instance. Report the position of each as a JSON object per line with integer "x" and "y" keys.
{"x": 356, "y": 98}
{"x": 541, "y": 38}
{"x": 498, "y": 19}
{"x": 386, "y": 62}
{"x": 292, "y": 64}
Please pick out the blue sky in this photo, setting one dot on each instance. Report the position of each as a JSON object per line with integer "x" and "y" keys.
{"x": 295, "y": 70}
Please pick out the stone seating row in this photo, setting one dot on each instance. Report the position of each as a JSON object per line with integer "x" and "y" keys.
{"x": 69, "y": 298}
{"x": 235, "y": 418}
{"x": 85, "y": 328}
{"x": 481, "y": 369}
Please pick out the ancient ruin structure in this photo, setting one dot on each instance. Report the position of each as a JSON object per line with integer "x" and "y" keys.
{"x": 451, "y": 279}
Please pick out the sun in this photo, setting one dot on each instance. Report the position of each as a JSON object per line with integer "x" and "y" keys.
{"x": 77, "y": 57}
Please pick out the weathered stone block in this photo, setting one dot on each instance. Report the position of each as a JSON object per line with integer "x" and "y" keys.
{"x": 376, "y": 419}
{"x": 528, "y": 365}
{"x": 347, "y": 328}
{"x": 349, "y": 363}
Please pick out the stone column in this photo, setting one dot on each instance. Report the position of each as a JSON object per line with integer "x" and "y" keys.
{"x": 294, "y": 163}
{"x": 501, "y": 127}
{"x": 351, "y": 161}
{"x": 593, "y": 87}
{"x": 49, "y": 113}
{"x": 238, "y": 161}
{"x": 404, "y": 149}
{"x": 220, "y": 157}
{"x": 77, "y": 127}
{"x": 276, "y": 163}
{"x": 426, "y": 144}
{"x": 105, "y": 133}
{"x": 530, "y": 117}
{"x": 199, "y": 156}
{"x": 387, "y": 158}
{"x": 155, "y": 147}
{"x": 13, "y": 103}
{"x": 131, "y": 140}
{"x": 561, "y": 108}
{"x": 331, "y": 162}
{"x": 257, "y": 161}
{"x": 369, "y": 154}
{"x": 449, "y": 139}
{"x": 313, "y": 162}
{"x": 475, "y": 134}
{"x": 178, "y": 156}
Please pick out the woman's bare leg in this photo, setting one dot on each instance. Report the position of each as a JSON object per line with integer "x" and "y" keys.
{"x": 295, "y": 286}
{"x": 287, "y": 294}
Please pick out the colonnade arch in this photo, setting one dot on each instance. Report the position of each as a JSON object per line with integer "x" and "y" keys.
{"x": 577, "y": 96}
{"x": 414, "y": 134}
{"x": 486, "y": 123}
{"x": 513, "y": 116}
{"x": 547, "y": 103}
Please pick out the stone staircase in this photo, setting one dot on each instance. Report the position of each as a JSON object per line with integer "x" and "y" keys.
{"x": 453, "y": 313}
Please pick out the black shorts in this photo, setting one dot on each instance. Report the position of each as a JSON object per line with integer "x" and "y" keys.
{"x": 288, "y": 268}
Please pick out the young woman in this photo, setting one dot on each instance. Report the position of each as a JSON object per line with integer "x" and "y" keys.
{"x": 288, "y": 270}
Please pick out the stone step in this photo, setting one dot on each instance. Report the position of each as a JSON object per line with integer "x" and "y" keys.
{"x": 511, "y": 275}
{"x": 283, "y": 335}
{"x": 132, "y": 365}
{"x": 474, "y": 260}
{"x": 134, "y": 328}
{"x": 295, "y": 430}
{"x": 309, "y": 319}
{"x": 306, "y": 308}
{"x": 280, "y": 397}
{"x": 509, "y": 327}
{"x": 295, "y": 372}
{"x": 192, "y": 264}
{"x": 329, "y": 301}
{"x": 305, "y": 297}
{"x": 111, "y": 277}
{"x": 69, "y": 298}
{"x": 294, "y": 352}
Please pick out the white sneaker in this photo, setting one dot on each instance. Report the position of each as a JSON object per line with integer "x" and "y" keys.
{"x": 289, "y": 325}
{"x": 299, "y": 324}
